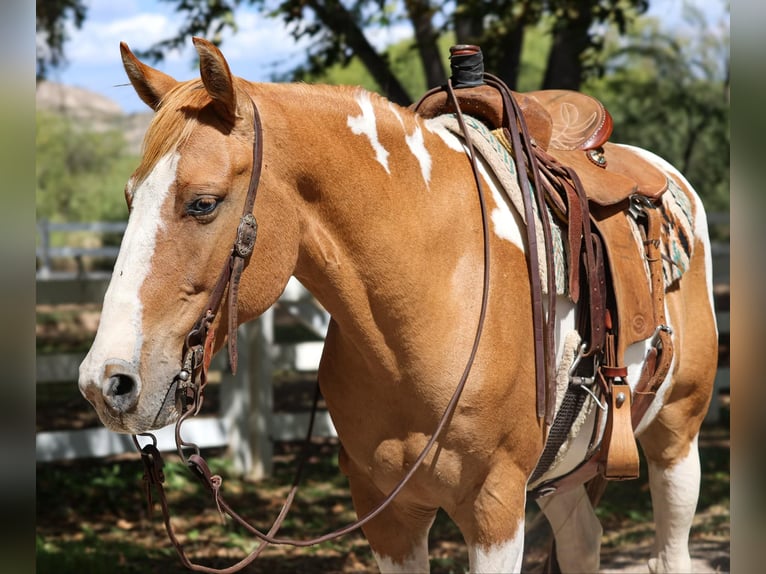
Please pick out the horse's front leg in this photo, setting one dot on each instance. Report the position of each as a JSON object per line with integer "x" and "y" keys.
{"x": 398, "y": 535}
{"x": 492, "y": 523}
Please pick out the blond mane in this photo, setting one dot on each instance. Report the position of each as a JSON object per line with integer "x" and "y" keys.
{"x": 174, "y": 122}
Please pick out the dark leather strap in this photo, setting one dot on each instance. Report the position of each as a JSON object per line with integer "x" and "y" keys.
{"x": 654, "y": 372}
{"x": 543, "y": 330}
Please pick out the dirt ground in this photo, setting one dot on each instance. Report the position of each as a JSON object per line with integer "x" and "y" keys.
{"x": 92, "y": 516}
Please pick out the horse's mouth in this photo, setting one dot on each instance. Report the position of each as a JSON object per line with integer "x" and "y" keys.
{"x": 141, "y": 418}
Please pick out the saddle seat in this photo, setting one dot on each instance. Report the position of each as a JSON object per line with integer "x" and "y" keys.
{"x": 572, "y": 127}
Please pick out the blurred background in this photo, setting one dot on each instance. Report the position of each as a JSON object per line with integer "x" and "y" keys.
{"x": 661, "y": 67}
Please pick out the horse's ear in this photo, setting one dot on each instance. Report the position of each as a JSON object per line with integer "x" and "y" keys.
{"x": 151, "y": 85}
{"x": 217, "y": 78}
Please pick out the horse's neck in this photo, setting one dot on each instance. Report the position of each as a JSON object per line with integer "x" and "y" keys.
{"x": 381, "y": 210}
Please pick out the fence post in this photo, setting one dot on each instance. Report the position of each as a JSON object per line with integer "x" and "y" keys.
{"x": 45, "y": 240}
{"x": 246, "y": 399}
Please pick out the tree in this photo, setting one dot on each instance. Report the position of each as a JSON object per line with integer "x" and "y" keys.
{"x": 670, "y": 95}
{"x": 336, "y": 28}
{"x": 646, "y": 78}
{"x": 51, "y": 17}
{"x": 77, "y": 171}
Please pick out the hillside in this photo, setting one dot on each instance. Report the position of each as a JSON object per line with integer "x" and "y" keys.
{"x": 92, "y": 111}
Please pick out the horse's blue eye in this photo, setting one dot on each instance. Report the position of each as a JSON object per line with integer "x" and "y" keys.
{"x": 202, "y": 206}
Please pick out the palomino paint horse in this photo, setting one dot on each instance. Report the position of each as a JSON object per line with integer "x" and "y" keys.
{"x": 374, "y": 210}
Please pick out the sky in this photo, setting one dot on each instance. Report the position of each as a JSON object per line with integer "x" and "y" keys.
{"x": 261, "y": 47}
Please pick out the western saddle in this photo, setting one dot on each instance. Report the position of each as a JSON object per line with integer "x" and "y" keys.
{"x": 593, "y": 187}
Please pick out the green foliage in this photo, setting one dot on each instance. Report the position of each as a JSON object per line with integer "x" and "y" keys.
{"x": 537, "y": 44}
{"x": 405, "y": 63}
{"x": 409, "y": 69}
{"x": 51, "y": 18}
{"x": 79, "y": 174}
{"x": 670, "y": 96}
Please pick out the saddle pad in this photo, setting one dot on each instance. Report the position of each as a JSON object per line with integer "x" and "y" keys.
{"x": 503, "y": 167}
{"x": 677, "y": 232}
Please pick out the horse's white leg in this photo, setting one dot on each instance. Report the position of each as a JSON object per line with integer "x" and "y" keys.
{"x": 576, "y": 529}
{"x": 500, "y": 557}
{"x": 492, "y": 521}
{"x": 398, "y": 535}
{"x": 670, "y": 441}
{"x": 416, "y": 561}
{"x": 674, "y": 491}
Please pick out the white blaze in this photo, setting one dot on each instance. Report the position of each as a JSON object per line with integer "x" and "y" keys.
{"x": 119, "y": 332}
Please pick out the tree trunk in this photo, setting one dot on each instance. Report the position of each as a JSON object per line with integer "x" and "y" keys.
{"x": 421, "y": 14}
{"x": 341, "y": 22}
{"x": 570, "y": 40}
{"x": 501, "y": 44}
{"x": 469, "y": 23}
{"x": 503, "y": 57}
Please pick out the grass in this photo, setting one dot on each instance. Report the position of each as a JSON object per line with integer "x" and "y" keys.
{"x": 92, "y": 516}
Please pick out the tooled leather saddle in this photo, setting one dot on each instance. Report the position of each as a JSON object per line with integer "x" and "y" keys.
{"x": 570, "y": 131}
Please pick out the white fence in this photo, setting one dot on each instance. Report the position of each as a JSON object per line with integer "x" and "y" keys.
{"x": 246, "y": 422}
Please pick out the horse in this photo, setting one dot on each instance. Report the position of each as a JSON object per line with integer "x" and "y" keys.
{"x": 373, "y": 209}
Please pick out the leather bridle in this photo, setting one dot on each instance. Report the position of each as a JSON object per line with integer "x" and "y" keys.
{"x": 197, "y": 353}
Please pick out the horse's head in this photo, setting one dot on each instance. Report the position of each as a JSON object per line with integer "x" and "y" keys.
{"x": 185, "y": 199}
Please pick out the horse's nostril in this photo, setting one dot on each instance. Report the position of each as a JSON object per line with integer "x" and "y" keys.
{"x": 120, "y": 385}
{"x": 121, "y": 392}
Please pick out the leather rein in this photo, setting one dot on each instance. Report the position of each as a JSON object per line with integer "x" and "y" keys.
{"x": 197, "y": 353}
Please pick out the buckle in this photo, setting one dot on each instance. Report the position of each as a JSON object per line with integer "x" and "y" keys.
{"x": 246, "y": 234}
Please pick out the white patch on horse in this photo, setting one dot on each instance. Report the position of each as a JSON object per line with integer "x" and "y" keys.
{"x": 504, "y": 557}
{"x": 416, "y": 144}
{"x": 418, "y": 148}
{"x": 366, "y": 125}
{"x": 507, "y": 224}
{"x": 449, "y": 139}
{"x": 119, "y": 333}
{"x": 415, "y": 562}
{"x": 675, "y": 491}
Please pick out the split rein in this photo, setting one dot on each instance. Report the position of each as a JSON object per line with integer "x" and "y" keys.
{"x": 192, "y": 378}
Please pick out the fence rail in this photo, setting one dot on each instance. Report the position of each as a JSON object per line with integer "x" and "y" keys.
{"x": 246, "y": 422}
{"x": 46, "y": 252}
